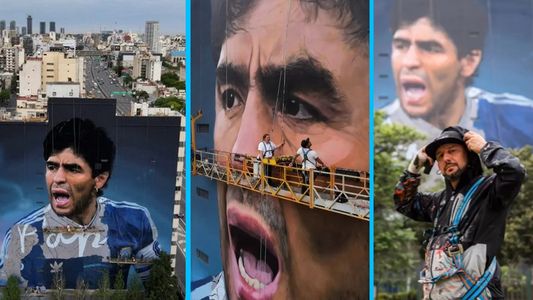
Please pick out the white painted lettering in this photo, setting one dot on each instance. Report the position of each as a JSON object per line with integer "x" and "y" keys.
{"x": 82, "y": 239}
{"x": 23, "y": 234}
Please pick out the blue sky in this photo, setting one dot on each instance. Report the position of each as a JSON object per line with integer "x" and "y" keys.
{"x": 79, "y": 16}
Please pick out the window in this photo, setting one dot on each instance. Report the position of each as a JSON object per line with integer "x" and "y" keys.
{"x": 202, "y": 128}
{"x": 202, "y": 193}
{"x": 202, "y": 256}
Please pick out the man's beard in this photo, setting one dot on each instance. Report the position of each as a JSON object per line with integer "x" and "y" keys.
{"x": 81, "y": 204}
{"x": 455, "y": 175}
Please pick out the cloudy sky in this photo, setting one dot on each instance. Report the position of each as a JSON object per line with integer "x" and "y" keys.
{"x": 79, "y": 16}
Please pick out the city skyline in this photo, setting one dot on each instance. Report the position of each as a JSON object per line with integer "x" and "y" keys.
{"x": 169, "y": 13}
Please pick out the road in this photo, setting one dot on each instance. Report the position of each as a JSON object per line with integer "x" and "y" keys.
{"x": 100, "y": 82}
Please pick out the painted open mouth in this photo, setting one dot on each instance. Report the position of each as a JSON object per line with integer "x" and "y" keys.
{"x": 258, "y": 266}
{"x": 413, "y": 90}
{"x": 255, "y": 263}
{"x": 61, "y": 197}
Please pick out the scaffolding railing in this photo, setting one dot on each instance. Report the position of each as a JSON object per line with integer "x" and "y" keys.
{"x": 337, "y": 190}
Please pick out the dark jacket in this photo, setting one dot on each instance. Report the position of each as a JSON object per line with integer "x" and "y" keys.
{"x": 485, "y": 218}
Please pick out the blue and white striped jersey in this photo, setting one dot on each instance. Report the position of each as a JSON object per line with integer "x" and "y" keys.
{"x": 505, "y": 118}
{"x": 43, "y": 245}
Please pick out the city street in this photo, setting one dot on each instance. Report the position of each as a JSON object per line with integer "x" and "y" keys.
{"x": 101, "y": 82}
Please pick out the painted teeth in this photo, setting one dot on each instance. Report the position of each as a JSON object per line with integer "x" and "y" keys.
{"x": 253, "y": 282}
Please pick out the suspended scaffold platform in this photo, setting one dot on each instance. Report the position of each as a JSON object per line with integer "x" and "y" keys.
{"x": 339, "y": 190}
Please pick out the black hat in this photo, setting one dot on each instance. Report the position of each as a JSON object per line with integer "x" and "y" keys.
{"x": 305, "y": 143}
{"x": 450, "y": 135}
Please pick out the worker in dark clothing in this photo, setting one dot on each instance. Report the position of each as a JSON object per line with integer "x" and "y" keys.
{"x": 468, "y": 216}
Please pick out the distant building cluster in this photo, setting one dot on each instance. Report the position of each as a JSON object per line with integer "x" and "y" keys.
{"x": 45, "y": 62}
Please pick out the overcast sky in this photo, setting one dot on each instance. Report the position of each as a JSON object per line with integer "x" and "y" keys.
{"x": 80, "y": 16}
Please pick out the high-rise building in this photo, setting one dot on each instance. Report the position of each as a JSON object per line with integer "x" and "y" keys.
{"x": 12, "y": 25}
{"x": 151, "y": 36}
{"x": 23, "y": 30}
{"x": 2, "y": 26}
{"x": 52, "y": 27}
{"x": 29, "y": 24}
{"x": 42, "y": 27}
{"x": 62, "y": 30}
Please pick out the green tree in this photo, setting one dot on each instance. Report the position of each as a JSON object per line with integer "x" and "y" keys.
{"x": 173, "y": 102}
{"x": 172, "y": 80}
{"x": 162, "y": 284}
{"x": 5, "y": 95}
{"x": 142, "y": 95}
{"x": 119, "y": 293}
{"x": 104, "y": 291}
{"x": 519, "y": 231}
{"x": 395, "y": 240}
{"x": 58, "y": 285}
{"x": 80, "y": 293}
{"x": 127, "y": 80}
{"x": 12, "y": 290}
{"x": 135, "y": 290}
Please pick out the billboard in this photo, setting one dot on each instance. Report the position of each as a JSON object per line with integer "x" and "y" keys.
{"x": 268, "y": 76}
{"x": 73, "y": 215}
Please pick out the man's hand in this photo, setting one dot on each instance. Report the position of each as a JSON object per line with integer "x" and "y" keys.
{"x": 420, "y": 160}
{"x": 474, "y": 142}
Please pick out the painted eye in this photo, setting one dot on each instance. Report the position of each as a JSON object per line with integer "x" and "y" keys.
{"x": 51, "y": 167}
{"x": 298, "y": 109}
{"x": 230, "y": 99}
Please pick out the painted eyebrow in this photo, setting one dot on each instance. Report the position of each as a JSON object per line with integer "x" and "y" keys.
{"x": 237, "y": 75}
{"x": 426, "y": 45}
{"x": 72, "y": 166}
{"x": 400, "y": 40}
{"x": 302, "y": 75}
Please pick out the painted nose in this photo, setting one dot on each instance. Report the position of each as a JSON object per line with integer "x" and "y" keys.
{"x": 411, "y": 58}
{"x": 59, "y": 175}
{"x": 255, "y": 122}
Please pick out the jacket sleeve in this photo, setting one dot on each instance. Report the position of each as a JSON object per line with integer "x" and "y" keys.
{"x": 509, "y": 174}
{"x": 413, "y": 204}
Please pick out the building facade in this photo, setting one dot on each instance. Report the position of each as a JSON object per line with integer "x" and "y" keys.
{"x": 151, "y": 36}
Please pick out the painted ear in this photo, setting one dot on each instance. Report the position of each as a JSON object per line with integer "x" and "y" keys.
{"x": 470, "y": 62}
{"x": 101, "y": 179}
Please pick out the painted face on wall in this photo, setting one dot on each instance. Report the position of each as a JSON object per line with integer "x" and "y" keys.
{"x": 270, "y": 247}
{"x": 430, "y": 77}
{"x": 71, "y": 187}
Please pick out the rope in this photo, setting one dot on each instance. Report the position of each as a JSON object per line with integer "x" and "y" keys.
{"x": 282, "y": 75}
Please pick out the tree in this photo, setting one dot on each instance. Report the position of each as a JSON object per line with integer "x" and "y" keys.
{"x": 5, "y": 95}
{"x": 135, "y": 291}
{"x": 58, "y": 284}
{"x": 142, "y": 95}
{"x": 162, "y": 284}
{"x": 127, "y": 80}
{"x": 173, "y": 102}
{"x": 519, "y": 231}
{"x": 12, "y": 290}
{"x": 172, "y": 80}
{"x": 395, "y": 240}
{"x": 119, "y": 293}
{"x": 80, "y": 293}
{"x": 104, "y": 290}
